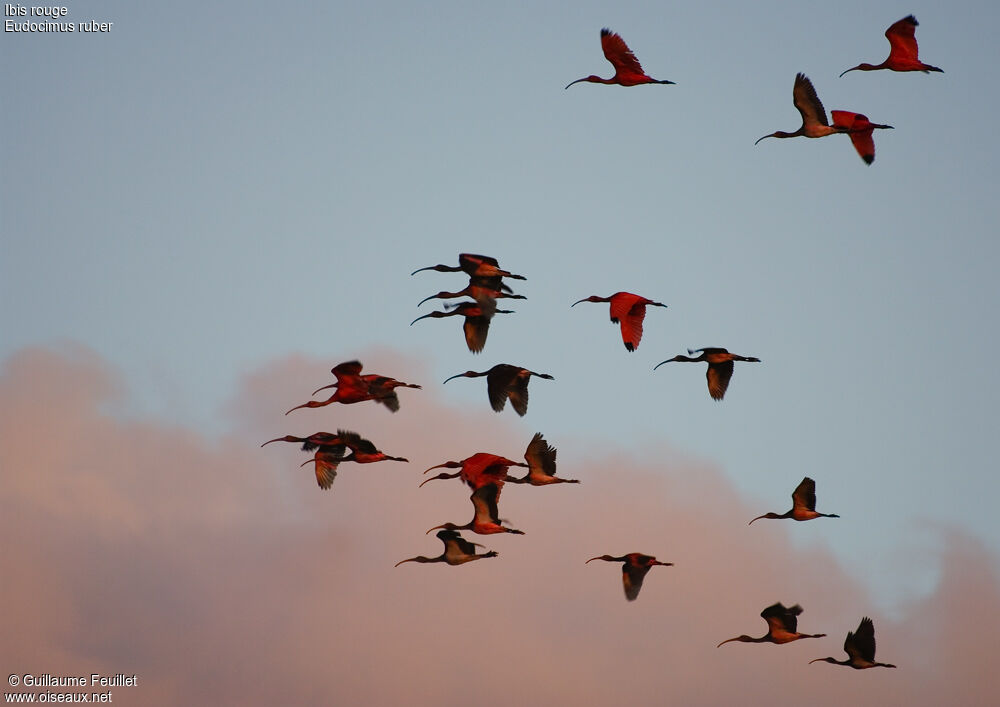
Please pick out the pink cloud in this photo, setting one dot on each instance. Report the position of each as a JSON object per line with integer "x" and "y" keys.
{"x": 220, "y": 574}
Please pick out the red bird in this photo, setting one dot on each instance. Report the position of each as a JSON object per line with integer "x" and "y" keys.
{"x": 815, "y": 123}
{"x": 860, "y": 130}
{"x": 720, "y": 367}
{"x": 504, "y": 382}
{"x": 486, "y": 520}
{"x": 329, "y": 456}
{"x": 634, "y": 570}
{"x": 478, "y": 470}
{"x": 628, "y": 71}
{"x": 457, "y": 550}
{"x": 541, "y": 458}
{"x": 860, "y": 648}
{"x": 477, "y": 321}
{"x": 902, "y": 50}
{"x": 782, "y": 623}
{"x": 629, "y": 310}
{"x": 803, "y": 504}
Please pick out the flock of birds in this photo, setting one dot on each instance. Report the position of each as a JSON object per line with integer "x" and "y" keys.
{"x": 486, "y": 474}
{"x": 902, "y": 57}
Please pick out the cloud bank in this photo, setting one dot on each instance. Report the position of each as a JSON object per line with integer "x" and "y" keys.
{"x": 218, "y": 572}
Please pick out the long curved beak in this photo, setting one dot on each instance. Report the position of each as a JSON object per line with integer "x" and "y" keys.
{"x": 578, "y": 302}
{"x": 325, "y": 387}
{"x": 761, "y": 138}
{"x": 457, "y": 375}
{"x": 573, "y": 82}
{"x": 660, "y": 364}
{"x": 419, "y": 318}
{"x": 425, "y": 299}
{"x": 411, "y": 559}
{"x": 429, "y": 267}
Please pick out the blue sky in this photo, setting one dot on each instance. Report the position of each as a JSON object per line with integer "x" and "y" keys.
{"x": 204, "y": 190}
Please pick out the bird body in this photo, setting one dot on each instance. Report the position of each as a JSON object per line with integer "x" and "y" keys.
{"x": 329, "y": 448}
{"x": 353, "y": 387}
{"x": 814, "y": 120}
{"x": 782, "y": 626}
{"x": 478, "y": 470}
{"x": 803, "y": 504}
{"x": 457, "y": 550}
{"x": 329, "y": 456}
{"x": 541, "y": 462}
{"x": 633, "y": 571}
{"x": 477, "y": 321}
{"x": 474, "y": 266}
{"x": 628, "y": 310}
{"x": 902, "y": 50}
{"x": 486, "y": 520}
{"x": 720, "y": 367}
{"x": 860, "y": 648}
{"x": 628, "y": 71}
{"x": 505, "y": 381}
{"x": 860, "y": 130}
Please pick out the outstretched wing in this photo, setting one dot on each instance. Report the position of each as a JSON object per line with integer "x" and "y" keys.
{"x": 718, "y": 375}
{"x": 618, "y": 53}
{"x": 903, "y": 39}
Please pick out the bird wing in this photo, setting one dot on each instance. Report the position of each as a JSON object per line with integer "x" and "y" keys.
{"x": 807, "y": 102}
{"x": 631, "y": 324}
{"x": 632, "y": 576}
{"x": 860, "y": 130}
{"x": 470, "y": 262}
{"x": 356, "y": 442}
{"x": 902, "y": 38}
{"x": 476, "y": 330}
{"x": 484, "y": 500}
{"x": 861, "y": 643}
{"x": 348, "y": 368}
{"x": 498, "y": 380}
{"x": 541, "y": 457}
{"x": 326, "y": 467}
{"x": 718, "y": 375}
{"x": 517, "y": 391}
{"x": 618, "y": 53}
{"x": 457, "y": 542}
{"x": 781, "y": 618}
{"x": 804, "y": 495}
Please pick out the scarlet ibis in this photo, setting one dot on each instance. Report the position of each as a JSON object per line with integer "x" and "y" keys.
{"x": 541, "y": 458}
{"x": 486, "y": 520}
{"x": 363, "y": 451}
{"x": 485, "y": 294}
{"x": 457, "y": 550}
{"x": 628, "y": 71}
{"x": 370, "y": 386}
{"x": 505, "y": 381}
{"x": 474, "y": 266}
{"x": 330, "y": 449}
{"x": 633, "y": 571}
{"x": 477, "y": 321}
{"x": 860, "y": 648}
{"x": 803, "y": 504}
{"x": 351, "y": 388}
{"x": 720, "y": 367}
{"x": 781, "y": 626}
{"x": 860, "y": 130}
{"x": 902, "y": 50}
{"x": 629, "y": 310}
{"x": 478, "y": 470}
{"x": 814, "y": 122}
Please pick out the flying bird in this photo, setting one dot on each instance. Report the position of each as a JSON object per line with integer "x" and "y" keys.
{"x": 486, "y": 519}
{"x": 478, "y": 470}
{"x": 457, "y": 550}
{"x": 477, "y": 321}
{"x": 628, "y": 71}
{"x": 541, "y": 462}
{"x": 358, "y": 387}
{"x": 902, "y": 50}
{"x": 633, "y": 571}
{"x": 505, "y": 381}
{"x": 814, "y": 121}
{"x": 629, "y": 310}
{"x": 474, "y": 266}
{"x": 329, "y": 448}
{"x": 720, "y": 367}
{"x": 329, "y": 457}
{"x": 782, "y": 622}
{"x": 803, "y": 504}
{"x": 860, "y": 130}
{"x": 860, "y": 648}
